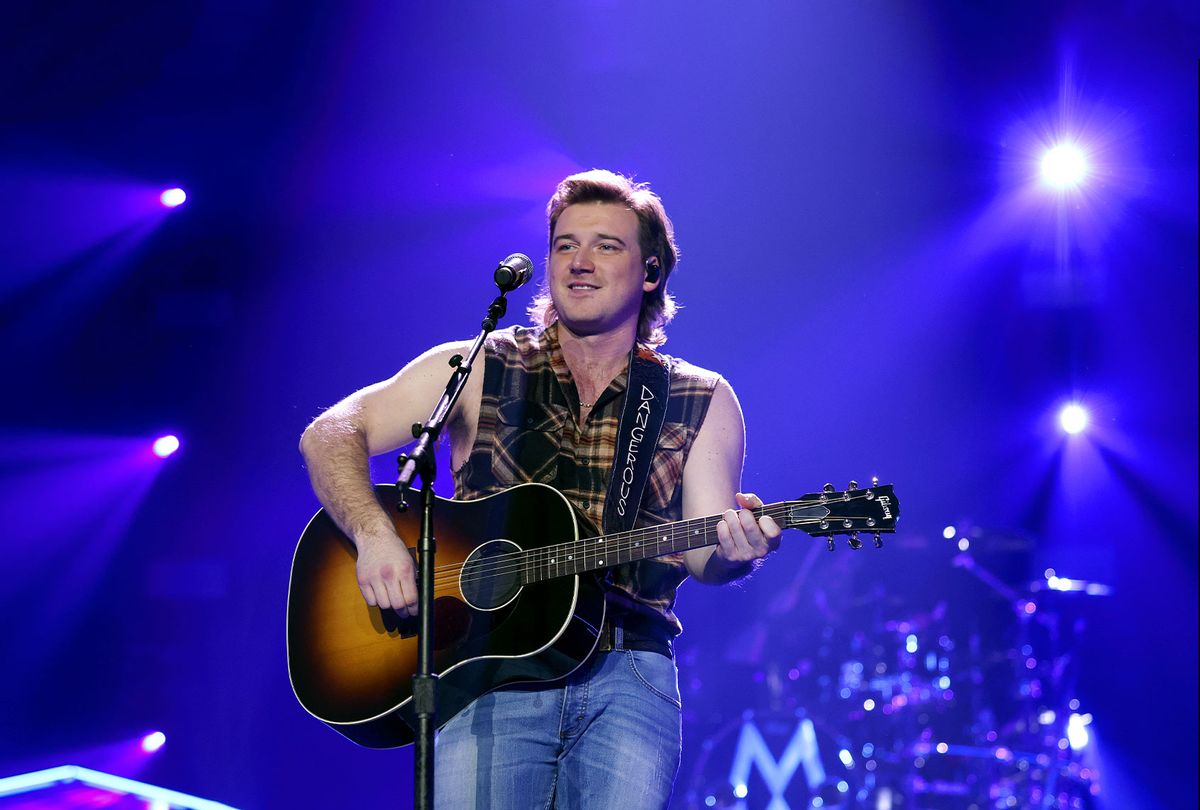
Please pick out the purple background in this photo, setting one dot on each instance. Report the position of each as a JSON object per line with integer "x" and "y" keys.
{"x": 867, "y": 257}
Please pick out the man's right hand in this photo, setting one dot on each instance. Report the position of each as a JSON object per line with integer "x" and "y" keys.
{"x": 337, "y": 447}
{"x": 387, "y": 574}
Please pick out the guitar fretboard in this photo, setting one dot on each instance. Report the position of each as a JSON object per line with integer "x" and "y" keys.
{"x": 595, "y": 553}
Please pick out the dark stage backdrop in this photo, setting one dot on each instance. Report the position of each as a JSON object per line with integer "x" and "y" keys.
{"x": 869, "y": 256}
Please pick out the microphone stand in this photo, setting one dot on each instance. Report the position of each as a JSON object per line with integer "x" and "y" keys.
{"x": 421, "y": 461}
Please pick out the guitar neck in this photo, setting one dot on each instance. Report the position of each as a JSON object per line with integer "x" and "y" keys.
{"x": 595, "y": 553}
{"x": 821, "y": 514}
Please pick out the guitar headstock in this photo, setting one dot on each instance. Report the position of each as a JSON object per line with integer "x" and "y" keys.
{"x": 829, "y": 513}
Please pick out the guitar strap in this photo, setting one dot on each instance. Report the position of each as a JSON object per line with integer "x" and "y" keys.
{"x": 641, "y": 422}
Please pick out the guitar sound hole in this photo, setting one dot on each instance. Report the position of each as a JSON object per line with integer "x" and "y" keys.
{"x": 490, "y": 577}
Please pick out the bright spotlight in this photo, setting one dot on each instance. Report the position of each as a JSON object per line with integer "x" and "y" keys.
{"x": 165, "y": 446}
{"x": 1077, "y": 734}
{"x": 949, "y": 532}
{"x": 153, "y": 741}
{"x": 173, "y": 197}
{"x": 1073, "y": 418}
{"x": 1064, "y": 166}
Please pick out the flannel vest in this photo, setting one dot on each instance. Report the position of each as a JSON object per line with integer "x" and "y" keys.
{"x": 528, "y": 431}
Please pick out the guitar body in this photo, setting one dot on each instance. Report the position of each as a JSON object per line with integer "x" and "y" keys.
{"x": 351, "y": 665}
{"x": 516, "y": 598}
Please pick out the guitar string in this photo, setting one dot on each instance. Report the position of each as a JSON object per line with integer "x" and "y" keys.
{"x": 519, "y": 561}
{"x": 446, "y": 577}
{"x": 579, "y": 565}
{"x": 674, "y": 531}
{"x": 452, "y": 583}
{"x": 527, "y": 559}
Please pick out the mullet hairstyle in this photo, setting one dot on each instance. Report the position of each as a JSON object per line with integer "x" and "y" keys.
{"x": 656, "y": 237}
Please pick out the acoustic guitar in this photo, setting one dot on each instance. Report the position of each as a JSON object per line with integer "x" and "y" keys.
{"x": 516, "y": 595}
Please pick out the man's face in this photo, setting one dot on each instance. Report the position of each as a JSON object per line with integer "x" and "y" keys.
{"x": 596, "y": 273}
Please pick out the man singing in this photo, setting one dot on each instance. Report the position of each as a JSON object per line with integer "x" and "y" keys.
{"x": 608, "y": 735}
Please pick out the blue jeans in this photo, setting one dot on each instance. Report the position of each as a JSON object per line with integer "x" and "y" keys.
{"x": 607, "y": 736}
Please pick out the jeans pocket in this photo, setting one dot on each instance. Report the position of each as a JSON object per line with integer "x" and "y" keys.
{"x": 657, "y": 673}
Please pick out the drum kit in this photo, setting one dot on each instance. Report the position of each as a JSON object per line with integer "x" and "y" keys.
{"x": 967, "y": 704}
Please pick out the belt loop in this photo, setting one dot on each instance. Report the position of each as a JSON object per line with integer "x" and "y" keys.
{"x": 618, "y": 637}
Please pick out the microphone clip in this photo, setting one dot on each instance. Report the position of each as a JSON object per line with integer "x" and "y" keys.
{"x": 495, "y": 312}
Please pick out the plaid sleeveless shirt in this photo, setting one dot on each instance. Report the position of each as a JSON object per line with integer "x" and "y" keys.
{"x": 528, "y": 431}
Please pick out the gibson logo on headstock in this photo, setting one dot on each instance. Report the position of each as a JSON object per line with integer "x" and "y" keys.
{"x": 885, "y": 503}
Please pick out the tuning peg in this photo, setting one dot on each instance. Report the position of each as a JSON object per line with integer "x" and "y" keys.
{"x": 878, "y": 540}
{"x": 874, "y": 480}
{"x": 829, "y": 541}
{"x": 853, "y": 485}
{"x": 854, "y": 542}
{"x": 828, "y": 487}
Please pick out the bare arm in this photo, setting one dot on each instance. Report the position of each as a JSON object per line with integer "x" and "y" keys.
{"x": 711, "y": 482}
{"x": 376, "y": 419}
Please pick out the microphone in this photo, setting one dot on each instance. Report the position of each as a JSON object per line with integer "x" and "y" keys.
{"x": 513, "y": 272}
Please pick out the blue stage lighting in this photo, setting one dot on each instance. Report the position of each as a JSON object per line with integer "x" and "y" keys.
{"x": 165, "y": 446}
{"x": 153, "y": 741}
{"x": 173, "y": 197}
{"x": 1073, "y": 418}
{"x": 1064, "y": 166}
{"x": 1077, "y": 734}
{"x": 117, "y": 788}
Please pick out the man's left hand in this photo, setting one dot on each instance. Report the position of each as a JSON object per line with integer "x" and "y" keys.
{"x": 740, "y": 537}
